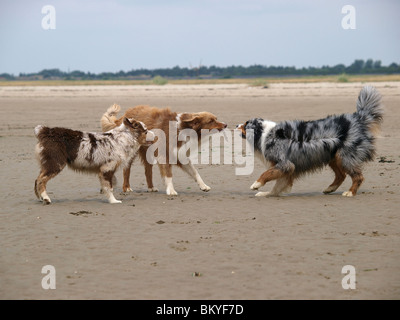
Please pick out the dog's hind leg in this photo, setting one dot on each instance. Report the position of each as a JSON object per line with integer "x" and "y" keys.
{"x": 126, "y": 172}
{"x": 36, "y": 190}
{"x": 51, "y": 164}
{"x": 166, "y": 173}
{"x": 340, "y": 175}
{"x": 357, "y": 179}
{"x": 191, "y": 171}
{"x": 40, "y": 185}
{"x": 148, "y": 170}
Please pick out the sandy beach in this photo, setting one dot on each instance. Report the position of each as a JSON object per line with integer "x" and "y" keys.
{"x": 224, "y": 244}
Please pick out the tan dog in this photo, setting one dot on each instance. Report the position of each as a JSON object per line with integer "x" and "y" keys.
{"x": 156, "y": 118}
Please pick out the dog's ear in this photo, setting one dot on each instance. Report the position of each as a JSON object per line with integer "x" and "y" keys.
{"x": 131, "y": 123}
{"x": 127, "y": 122}
{"x": 193, "y": 122}
{"x": 192, "y": 119}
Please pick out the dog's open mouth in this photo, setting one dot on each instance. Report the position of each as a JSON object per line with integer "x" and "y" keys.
{"x": 221, "y": 126}
{"x": 219, "y": 129}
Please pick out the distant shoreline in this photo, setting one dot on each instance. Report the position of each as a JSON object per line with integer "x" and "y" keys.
{"x": 256, "y": 82}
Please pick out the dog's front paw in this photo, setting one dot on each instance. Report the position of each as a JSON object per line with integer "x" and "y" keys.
{"x": 152, "y": 189}
{"x": 115, "y": 201}
{"x": 128, "y": 189}
{"x": 171, "y": 192}
{"x": 205, "y": 188}
{"x": 347, "y": 194}
{"x": 256, "y": 185}
{"x": 263, "y": 194}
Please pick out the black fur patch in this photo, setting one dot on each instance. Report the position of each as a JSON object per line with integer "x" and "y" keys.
{"x": 280, "y": 134}
{"x": 343, "y": 126}
{"x": 93, "y": 146}
{"x": 301, "y": 128}
{"x": 257, "y": 127}
{"x": 287, "y": 130}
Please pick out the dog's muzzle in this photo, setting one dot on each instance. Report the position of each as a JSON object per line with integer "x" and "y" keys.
{"x": 150, "y": 136}
{"x": 242, "y": 130}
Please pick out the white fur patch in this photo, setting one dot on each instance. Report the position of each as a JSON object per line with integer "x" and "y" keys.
{"x": 256, "y": 185}
{"x": 110, "y": 196}
{"x": 150, "y": 136}
{"x": 267, "y": 126}
{"x": 262, "y": 194}
{"x": 38, "y": 129}
{"x": 347, "y": 194}
{"x": 143, "y": 125}
{"x": 200, "y": 182}
{"x": 38, "y": 151}
{"x": 178, "y": 120}
{"x": 115, "y": 151}
{"x": 170, "y": 187}
{"x": 203, "y": 186}
{"x": 45, "y": 197}
{"x": 330, "y": 189}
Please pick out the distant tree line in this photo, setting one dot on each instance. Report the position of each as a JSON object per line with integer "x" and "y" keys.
{"x": 357, "y": 67}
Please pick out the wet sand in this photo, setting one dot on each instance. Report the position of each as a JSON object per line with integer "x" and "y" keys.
{"x": 224, "y": 244}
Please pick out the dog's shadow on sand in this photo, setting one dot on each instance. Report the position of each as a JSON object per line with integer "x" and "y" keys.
{"x": 292, "y": 195}
{"x": 129, "y": 198}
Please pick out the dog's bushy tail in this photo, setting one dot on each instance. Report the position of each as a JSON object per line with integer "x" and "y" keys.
{"x": 37, "y": 130}
{"x": 369, "y": 108}
{"x": 108, "y": 118}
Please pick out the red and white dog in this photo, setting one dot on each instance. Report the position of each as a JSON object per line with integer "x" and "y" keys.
{"x": 156, "y": 118}
{"x": 99, "y": 153}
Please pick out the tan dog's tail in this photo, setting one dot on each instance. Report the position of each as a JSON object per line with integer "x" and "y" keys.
{"x": 108, "y": 119}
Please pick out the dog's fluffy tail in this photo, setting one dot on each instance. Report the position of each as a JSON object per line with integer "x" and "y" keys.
{"x": 108, "y": 118}
{"x": 369, "y": 107}
{"x": 37, "y": 130}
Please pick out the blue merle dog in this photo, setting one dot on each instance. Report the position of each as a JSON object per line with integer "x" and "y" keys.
{"x": 293, "y": 148}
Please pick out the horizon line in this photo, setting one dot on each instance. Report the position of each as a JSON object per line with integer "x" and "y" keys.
{"x": 200, "y": 66}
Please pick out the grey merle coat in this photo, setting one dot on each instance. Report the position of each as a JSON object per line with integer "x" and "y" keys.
{"x": 292, "y": 148}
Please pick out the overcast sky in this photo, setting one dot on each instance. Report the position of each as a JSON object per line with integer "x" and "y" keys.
{"x": 113, "y": 35}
